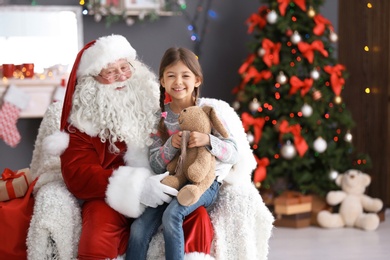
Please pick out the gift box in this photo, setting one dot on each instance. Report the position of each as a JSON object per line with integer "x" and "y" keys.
{"x": 382, "y": 214}
{"x": 291, "y": 202}
{"x": 14, "y": 184}
{"x": 318, "y": 204}
{"x": 294, "y": 221}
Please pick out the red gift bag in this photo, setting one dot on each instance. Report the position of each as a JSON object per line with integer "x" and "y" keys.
{"x": 15, "y": 216}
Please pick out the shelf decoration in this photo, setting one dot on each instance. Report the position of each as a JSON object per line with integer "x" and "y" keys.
{"x": 130, "y": 10}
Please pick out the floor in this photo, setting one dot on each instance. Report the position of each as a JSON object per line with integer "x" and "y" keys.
{"x": 315, "y": 243}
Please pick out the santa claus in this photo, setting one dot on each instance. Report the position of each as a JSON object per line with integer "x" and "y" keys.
{"x": 108, "y": 114}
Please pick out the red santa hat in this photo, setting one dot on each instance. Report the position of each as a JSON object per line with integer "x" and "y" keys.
{"x": 95, "y": 56}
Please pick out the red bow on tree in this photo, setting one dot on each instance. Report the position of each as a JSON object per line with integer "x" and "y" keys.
{"x": 284, "y": 3}
{"x": 256, "y": 20}
{"x": 299, "y": 142}
{"x": 307, "y": 49}
{"x": 248, "y": 62}
{"x": 261, "y": 170}
{"x": 321, "y": 23}
{"x": 297, "y": 84}
{"x": 336, "y": 79}
{"x": 254, "y": 74}
{"x": 256, "y": 123}
{"x": 271, "y": 55}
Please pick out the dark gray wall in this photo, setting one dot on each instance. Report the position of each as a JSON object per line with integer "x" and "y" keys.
{"x": 222, "y": 52}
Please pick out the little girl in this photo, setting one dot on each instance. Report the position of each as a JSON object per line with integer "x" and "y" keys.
{"x": 180, "y": 76}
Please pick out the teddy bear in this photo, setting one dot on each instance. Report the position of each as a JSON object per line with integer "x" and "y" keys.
{"x": 353, "y": 203}
{"x": 193, "y": 170}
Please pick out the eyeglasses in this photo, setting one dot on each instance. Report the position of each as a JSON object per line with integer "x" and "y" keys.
{"x": 112, "y": 74}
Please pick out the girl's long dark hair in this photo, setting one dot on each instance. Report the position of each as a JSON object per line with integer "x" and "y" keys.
{"x": 171, "y": 57}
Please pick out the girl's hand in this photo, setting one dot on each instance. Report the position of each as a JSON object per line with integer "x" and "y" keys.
{"x": 198, "y": 139}
{"x": 176, "y": 140}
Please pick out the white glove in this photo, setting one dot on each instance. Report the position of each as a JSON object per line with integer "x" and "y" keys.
{"x": 155, "y": 193}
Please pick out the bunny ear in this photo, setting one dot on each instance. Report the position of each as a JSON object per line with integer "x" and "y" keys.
{"x": 217, "y": 123}
{"x": 207, "y": 109}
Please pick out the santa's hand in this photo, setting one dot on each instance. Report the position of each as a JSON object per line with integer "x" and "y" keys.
{"x": 155, "y": 193}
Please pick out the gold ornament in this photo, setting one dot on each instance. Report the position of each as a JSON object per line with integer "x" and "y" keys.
{"x": 254, "y": 105}
{"x": 338, "y": 100}
{"x": 317, "y": 95}
{"x": 311, "y": 12}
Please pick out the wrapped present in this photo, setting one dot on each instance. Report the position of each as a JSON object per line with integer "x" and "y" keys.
{"x": 294, "y": 221}
{"x": 14, "y": 184}
{"x": 318, "y": 204}
{"x": 291, "y": 202}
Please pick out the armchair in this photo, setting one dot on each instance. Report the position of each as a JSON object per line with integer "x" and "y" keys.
{"x": 241, "y": 221}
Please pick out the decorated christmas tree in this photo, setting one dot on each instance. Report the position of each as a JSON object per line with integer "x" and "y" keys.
{"x": 290, "y": 99}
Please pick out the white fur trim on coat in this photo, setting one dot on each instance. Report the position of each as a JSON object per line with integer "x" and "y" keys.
{"x": 124, "y": 190}
{"x": 56, "y": 143}
{"x": 197, "y": 256}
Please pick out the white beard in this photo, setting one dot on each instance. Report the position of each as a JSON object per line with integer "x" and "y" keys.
{"x": 127, "y": 115}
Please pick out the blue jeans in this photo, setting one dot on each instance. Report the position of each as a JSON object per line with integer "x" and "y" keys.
{"x": 171, "y": 216}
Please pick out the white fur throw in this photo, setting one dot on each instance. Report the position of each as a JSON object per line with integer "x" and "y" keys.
{"x": 242, "y": 222}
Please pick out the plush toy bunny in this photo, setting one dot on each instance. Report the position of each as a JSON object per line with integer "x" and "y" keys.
{"x": 194, "y": 172}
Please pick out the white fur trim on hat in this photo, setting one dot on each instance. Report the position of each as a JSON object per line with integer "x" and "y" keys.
{"x": 105, "y": 50}
{"x": 124, "y": 190}
{"x": 56, "y": 143}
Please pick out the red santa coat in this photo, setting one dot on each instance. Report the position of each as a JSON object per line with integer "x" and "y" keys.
{"x": 93, "y": 173}
{"x": 87, "y": 165}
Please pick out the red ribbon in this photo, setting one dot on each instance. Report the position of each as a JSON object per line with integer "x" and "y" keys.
{"x": 243, "y": 68}
{"x": 254, "y": 74}
{"x": 308, "y": 49}
{"x": 256, "y": 123}
{"x": 8, "y": 175}
{"x": 321, "y": 23}
{"x": 248, "y": 62}
{"x": 336, "y": 79}
{"x": 299, "y": 142}
{"x": 284, "y": 3}
{"x": 297, "y": 84}
{"x": 261, "y": 170}
{"x": 271, "y": 55}
{"x": 256, "y": 20}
